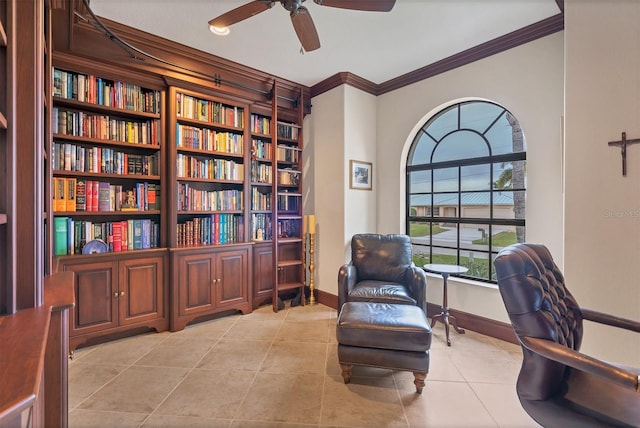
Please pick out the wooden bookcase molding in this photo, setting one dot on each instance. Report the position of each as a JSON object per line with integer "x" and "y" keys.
{"x": 79, "y": 38}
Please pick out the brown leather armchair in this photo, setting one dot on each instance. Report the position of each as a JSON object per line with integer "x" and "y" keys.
{"x": 382, "y": 270}
{"x": 558, "y": 386}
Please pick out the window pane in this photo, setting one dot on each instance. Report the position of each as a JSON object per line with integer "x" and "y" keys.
{"x": 509, "y": 175}
{"x": 444, "y": 256}
{"x": 447, "y": 204}
{"x": 445, "y": 180}
{"x": 478, "y": 116}
{"x": 474, "y": 237}
{"x": 505, "y": 235}
{"x": 421, "y": 150}
{"x": 477, "y": 263}
{"x": 475, "y": 177}
{"x": 509, "y": 205}
{"x": 476, "y": 205}
{"x": 501, "y": 138}
{"x": 443, "y": 123}
{"x": 420, "y": 181}
{"x": 460, "y": 145}
{"x": 420, "y": 205}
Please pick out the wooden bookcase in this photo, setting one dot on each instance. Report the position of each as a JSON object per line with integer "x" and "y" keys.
{"x": 108, "y": 213}
{"x": 276, "y": 202}
{"x": 208, "y": 162}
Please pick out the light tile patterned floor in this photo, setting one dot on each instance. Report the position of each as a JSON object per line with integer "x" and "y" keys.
{"x": 270, "y": 370}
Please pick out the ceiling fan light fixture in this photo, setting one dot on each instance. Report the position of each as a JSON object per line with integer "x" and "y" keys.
{"x": 219, "y": 31}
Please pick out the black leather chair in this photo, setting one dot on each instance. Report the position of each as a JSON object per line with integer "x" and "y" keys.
{"x": 558, "y": 386}
{"x": 382, "y": 271}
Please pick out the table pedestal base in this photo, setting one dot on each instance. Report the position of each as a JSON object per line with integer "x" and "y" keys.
{"x": 447, "y": 319}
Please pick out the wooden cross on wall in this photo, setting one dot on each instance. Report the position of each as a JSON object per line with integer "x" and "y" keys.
{"x": 623, "y": 150}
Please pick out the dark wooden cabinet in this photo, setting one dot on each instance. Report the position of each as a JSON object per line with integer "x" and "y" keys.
{"x": 116, "y": 294}
{"x": 262, "y": 273}
{"x": 209, "y": 280}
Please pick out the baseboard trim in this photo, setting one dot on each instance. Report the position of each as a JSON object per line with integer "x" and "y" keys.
{"x": 482, "y": 325}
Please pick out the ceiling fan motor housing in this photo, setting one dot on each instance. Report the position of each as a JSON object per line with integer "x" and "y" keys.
{"x": 291, "y": 5}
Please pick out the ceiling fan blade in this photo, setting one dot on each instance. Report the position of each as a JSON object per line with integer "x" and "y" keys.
{"x": 305, "y": 29}
{"x": 239, "y": 13}
{"x": 370, "y": 5}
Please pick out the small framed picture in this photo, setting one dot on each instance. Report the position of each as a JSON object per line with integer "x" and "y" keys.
{"x": 360, "y": 175}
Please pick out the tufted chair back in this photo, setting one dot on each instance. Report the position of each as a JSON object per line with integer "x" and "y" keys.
{"x": 381, "y": 257}
{"x": 540, "y": 306}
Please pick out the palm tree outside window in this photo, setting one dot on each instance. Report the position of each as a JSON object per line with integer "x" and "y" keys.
{"x": 466, "y": 187}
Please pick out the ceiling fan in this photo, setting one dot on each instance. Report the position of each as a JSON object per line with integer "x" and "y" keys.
{"x": 300, "y": 17}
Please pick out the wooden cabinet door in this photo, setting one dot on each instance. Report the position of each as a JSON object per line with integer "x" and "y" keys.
{"x": 141, "y": 293}
{"x": 96, "y": 294}
{"x": 230, "y": 278}
{"x": 195, "y": 284}
{"x": 262, "y": 273}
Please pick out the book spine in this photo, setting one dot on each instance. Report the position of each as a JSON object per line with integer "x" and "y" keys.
{"x": 60, "y": 227}
{"x": 81, "y": 195}
{"x": 70, "y": 194}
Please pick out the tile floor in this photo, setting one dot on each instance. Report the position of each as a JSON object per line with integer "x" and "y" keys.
{"x": 269, "y": 369}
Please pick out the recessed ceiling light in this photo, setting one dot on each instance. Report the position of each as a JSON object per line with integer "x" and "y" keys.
{"x": 219, "y": 31}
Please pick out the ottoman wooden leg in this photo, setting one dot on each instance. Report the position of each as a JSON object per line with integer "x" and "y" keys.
{"x": 346, "y": 372}
{"x": 419, "y": 381}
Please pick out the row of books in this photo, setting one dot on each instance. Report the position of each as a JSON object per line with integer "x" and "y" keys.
{"x": 289, "y": 177}
{"x": 288, "y": 154}
{"x": 81, "y": 195}
{"x": 191, "y": 199}
{"x": 103, "y": 127}
{"x": 260, "y": 124}
{"x": 261, "y": 149}
{"x": 208, "y": 139}
{"x": 104, "y": 160}
{"x": 288, "y": 203}
{"x": 70, "y": 236}
{"x": 261, "y": 173}
{"x": 261, "y": 229}
{"x": 111, "y": 93}
{"x": 287, "y": 131}
{"x": 214, "y": 229}
{"x": 213, "y": 169}
{"x": 208, "y": 111}
{"x": 260, "y": 201}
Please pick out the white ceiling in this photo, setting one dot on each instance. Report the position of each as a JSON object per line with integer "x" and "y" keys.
{"x": 376, "y": 46}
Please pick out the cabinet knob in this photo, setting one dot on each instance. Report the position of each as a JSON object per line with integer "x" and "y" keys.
{"x": 115, "y": 294}
{"x": 121, "y": 293}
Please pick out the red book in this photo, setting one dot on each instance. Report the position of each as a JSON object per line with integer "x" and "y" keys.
{"x": 89, "y": 195}
{"x": 117, "y": 236}
{"x": 95, "y": 196}
{"x": 81, "y": 195}
{"x": 124, "y": 232}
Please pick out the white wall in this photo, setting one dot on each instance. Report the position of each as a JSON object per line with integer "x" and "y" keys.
{"x": 528, "y": 81}
{"x": 327, "y": 133}
{"x": 602, "y": 229}
{"x": 341, "y": 128}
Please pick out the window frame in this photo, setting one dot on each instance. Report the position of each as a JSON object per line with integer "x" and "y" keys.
{"x": 491, "y": 160}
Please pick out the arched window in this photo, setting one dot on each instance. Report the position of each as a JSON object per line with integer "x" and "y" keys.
{"x": 466, "y": 187}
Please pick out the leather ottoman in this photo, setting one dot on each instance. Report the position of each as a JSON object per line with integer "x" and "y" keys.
{"x": 385, "y": 335}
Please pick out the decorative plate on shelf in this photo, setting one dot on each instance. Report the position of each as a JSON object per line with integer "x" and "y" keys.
{"x": 95, "y": 246}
